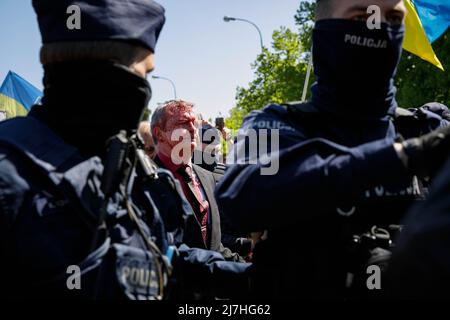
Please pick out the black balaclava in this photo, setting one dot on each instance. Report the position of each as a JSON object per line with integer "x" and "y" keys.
{"x": 355, "y": 68}
{"x": 87, "y": 102}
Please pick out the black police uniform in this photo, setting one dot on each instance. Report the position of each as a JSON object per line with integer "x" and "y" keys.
{"x": 419, "y": 268}
{"x": 334, "y": 172}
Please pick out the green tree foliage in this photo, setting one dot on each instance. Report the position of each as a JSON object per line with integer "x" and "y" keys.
{"x": 304, "y": 19}
{"x": 146, "y": 114}
{"x": 419, "y": 82}
{"x": 279, "y": 71}
{"x": 275, "y": 71}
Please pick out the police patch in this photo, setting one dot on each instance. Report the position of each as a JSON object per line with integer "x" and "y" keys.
{"x": 136, "y": 273}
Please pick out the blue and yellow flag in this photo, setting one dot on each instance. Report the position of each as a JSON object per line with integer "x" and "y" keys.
{"x": 418, "y": 39}
{"x": 435, "y": 17}
{"x": 17, "y": 96}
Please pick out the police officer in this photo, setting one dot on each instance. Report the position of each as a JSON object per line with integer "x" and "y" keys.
{"x": 344, "y": 170}
{"x": 76, "y": 216}
{"x": 419, "y": 268}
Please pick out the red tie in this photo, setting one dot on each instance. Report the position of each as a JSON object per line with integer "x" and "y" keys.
{"x": 200, "y": 206}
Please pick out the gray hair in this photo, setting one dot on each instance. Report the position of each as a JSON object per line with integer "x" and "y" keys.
{"x": 158, "y": 117}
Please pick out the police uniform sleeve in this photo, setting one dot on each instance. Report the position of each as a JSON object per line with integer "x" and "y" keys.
{"x": 420, "y": 264}
{"x": 433, "y": 116}
{"x": 13, "y": 189}
{"x": 207, "y": 274}
{"x": 312, "y": 177}
{"x": 12, "y": 194}
{"x": 415, "y": 122}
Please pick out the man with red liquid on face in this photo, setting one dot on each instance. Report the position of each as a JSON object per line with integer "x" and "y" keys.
{"x": 175, "y": 134}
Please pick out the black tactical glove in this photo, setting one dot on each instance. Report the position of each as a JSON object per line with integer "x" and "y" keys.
{"x": 427, "y": 154}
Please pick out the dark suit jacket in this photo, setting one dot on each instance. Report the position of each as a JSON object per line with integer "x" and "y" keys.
{"x": 216, "y": 168}
{"x": 235, "y": 241}
{"x": 192, "y": 232}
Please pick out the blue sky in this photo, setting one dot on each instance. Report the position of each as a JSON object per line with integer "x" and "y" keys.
{"x": 205, "y": 57}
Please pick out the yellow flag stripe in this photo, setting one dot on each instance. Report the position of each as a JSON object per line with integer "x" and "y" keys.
{"x": 416, "y": 40}
{"x": 11, "y": 107}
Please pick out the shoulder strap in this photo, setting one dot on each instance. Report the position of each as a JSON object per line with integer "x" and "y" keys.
{"x": 300, "y": 106}
{"x": 301, "y": 110}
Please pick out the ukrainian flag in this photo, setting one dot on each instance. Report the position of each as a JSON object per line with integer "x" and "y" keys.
{"x": 435, "y": 17}
{"x": 17, "y": 96}
{"x": 421, "y": 30}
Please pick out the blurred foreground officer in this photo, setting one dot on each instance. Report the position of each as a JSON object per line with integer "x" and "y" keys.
{"x": 343, "y": 170}
{"x": 420, "y": 265}
{"x": 76, "y": 218}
